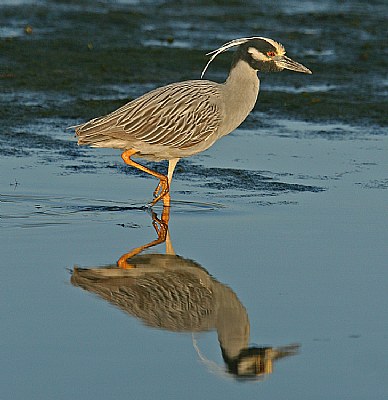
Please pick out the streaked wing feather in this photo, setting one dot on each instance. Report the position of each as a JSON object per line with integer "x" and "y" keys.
{"x": 179, "y": 115}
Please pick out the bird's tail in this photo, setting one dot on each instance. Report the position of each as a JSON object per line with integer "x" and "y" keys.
{"x": 98, "y": 133}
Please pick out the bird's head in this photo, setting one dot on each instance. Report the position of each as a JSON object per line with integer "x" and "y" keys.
{"x": 262, "y": 54}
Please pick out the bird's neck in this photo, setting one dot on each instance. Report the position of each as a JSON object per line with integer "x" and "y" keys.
{"x": 241, "y": 73}
{"x": 242, "y": 85}
{"x": 240, "y": 94}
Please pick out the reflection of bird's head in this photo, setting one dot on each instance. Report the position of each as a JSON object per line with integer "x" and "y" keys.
{"x": 254, "y": 363}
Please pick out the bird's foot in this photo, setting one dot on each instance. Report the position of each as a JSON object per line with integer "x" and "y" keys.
{"x": 162, "y": 192}
{"x": 157, "y": 190}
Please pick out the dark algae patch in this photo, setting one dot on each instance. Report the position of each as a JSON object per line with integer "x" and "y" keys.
{"x": 75, "y": 50}
{"x": 62, "y": 63}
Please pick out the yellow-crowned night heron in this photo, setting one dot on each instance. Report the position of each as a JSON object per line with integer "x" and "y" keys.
{"x": 185, "y": 118}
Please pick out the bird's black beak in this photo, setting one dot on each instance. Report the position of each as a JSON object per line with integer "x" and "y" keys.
{"x": 286, "y": 63}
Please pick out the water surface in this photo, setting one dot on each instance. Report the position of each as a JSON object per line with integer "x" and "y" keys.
{"x": 273, "y": 279}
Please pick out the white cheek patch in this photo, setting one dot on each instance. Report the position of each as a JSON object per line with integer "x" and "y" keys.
{"x": 257, "y": 55}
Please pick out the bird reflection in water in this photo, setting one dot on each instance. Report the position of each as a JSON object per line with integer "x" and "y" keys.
{"x": 170, "y": 292}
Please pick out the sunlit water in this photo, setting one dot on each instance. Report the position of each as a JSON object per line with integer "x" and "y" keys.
{"x": 271, "y": 280}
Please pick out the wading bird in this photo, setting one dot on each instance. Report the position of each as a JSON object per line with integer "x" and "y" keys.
{"x": 185, "y": 118}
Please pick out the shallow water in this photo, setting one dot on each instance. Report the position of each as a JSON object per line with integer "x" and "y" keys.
{"x": 276, "y": 265}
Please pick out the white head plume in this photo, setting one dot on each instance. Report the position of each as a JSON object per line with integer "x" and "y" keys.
{"x": 237, "y": 42}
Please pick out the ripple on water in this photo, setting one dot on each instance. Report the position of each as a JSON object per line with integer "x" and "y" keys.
{"x": 28, "y": 211}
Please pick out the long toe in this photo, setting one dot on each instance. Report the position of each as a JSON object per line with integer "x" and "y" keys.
{"x": 157, "y": 190}
{"x": 163, "y": 190}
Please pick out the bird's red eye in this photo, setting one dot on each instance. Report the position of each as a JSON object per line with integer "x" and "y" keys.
{"x": 271, "y": 54}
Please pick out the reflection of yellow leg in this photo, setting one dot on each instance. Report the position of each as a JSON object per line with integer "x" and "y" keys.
{"x": 162, "y": 189}
{"x": 161, "y": 228}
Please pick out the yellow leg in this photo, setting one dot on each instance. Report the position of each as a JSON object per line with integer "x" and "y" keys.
{"x": 171, "y": 166}
{"x": 163, "y": 186}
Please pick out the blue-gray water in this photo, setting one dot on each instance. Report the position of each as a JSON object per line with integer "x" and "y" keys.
{"x": 282, "y": 226}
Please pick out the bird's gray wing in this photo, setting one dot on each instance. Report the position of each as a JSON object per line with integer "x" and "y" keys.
{"x": 179, "y": 115}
